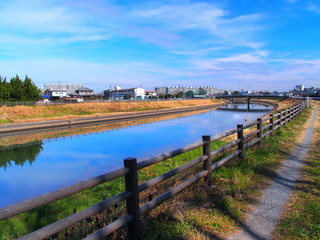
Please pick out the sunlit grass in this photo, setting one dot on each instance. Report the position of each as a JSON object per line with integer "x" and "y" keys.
{"x": 38, "y": 113}
{"x": 302, "y": 216}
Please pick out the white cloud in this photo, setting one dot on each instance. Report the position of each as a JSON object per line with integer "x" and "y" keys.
{"x": 206, "y": 17}
{"x": 49, "y": 20}
{"x": 243, "y": 58}
{"x": 313, "y": 8}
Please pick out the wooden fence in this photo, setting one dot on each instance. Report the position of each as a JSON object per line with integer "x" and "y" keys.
{"x": 264, "y": 127}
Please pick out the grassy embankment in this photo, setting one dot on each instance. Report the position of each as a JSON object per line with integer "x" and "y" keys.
{"x": 66, "y": 111}
{"x": 208, "y": 212}
{"x": 198, "y": 213}
{"x": 301, "y": 219}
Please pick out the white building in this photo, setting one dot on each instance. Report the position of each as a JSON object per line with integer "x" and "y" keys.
{"x": 136, "y": 93}
{"x": 56, "y": 93}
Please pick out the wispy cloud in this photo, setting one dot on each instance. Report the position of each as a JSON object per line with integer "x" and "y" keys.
{"x": 313, "y": 7}
{"x": 209, "y": 18}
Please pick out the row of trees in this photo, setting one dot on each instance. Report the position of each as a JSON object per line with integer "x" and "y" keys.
{"x": 18, "y": 90}
{"x": 188, "y": 94}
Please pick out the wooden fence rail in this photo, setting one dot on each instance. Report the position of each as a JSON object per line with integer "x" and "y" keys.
{"x": 265, "y": 126}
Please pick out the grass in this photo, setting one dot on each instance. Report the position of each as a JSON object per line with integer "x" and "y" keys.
{"x": 301, "y": 219}
{"x": 65, "y": 111}
{"x": 200, "y": 212}
{"x": 204, "y": 212}
{"x": 6, "y": 121}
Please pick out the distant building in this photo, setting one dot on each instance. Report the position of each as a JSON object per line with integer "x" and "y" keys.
{"x": 56, "y": 93}
{"x": 300, "y": 88}
{"x": 177, "y": 90}
{"x": 150, "y": 93}
{"x": 136, "y": 93}
{"x": 70, "y": 87}
{"x": 83, "y": 92}
{"x": 62, "y": 90}
{"x": 245, "y": 92}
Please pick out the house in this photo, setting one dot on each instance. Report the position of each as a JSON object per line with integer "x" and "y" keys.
{"x": 83, "y": 92}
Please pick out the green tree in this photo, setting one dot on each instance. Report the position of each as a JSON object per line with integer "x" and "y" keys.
{"x": 179, "y": 94}
{"x": 189, "y": 94}
{"x": 31, "y": 91}
{"x": 17, "y": 92}
{"x": 202, "y": 91}
{"x": 5, "y": 90}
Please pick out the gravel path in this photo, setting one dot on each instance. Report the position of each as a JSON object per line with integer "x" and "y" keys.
{"x": 262, "y": 220}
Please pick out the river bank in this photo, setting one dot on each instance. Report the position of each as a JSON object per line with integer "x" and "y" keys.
{"x": 32, "y": 127}
{"x": 23, "y": 114}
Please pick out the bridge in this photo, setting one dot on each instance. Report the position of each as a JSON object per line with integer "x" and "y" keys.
{"x": 248, "y": 98}
{"x": 253, "y": 97}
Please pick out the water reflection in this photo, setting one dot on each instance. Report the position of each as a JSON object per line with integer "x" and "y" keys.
{"x": 27, "y": 152}
{"x": 247, "y": 107}
{"x": 61, "y": 161}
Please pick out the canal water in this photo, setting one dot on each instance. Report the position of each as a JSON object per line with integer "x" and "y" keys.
{"x": 50, "y": 162}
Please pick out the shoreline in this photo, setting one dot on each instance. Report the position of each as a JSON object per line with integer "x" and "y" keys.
{"x": 48, "y": 125}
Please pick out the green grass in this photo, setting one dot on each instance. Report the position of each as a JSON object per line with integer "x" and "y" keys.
{"x": 206, "y": 212}
{"x": 5, "y": 121}
{"x": 302, "y": 217}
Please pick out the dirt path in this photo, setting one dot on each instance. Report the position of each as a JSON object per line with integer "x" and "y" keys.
{"x": 262, "y": 220}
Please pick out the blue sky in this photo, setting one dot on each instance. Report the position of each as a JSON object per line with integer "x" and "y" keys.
{"x": 230, "y": 44}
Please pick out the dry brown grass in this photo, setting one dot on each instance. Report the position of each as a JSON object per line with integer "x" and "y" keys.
{"x": 20, "y": 114}
{"x": 286, "y": 103}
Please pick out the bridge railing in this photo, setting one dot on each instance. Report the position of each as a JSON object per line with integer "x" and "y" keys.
{"x": 209, "y": 161}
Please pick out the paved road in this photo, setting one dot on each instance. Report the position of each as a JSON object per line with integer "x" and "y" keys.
{"x": 262, "y": 220}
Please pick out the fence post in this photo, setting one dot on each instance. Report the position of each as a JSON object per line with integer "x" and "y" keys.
{"x": 131, "y": 182}
{"x": 259, "y": 127}
{"x": 272, "y": 124}
{"x": 207, "y": 152}
{"x": 241, "y": 143}
{"x": 285, "y": 117}
{"x": 279, "y": 118}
